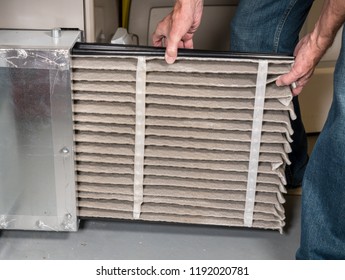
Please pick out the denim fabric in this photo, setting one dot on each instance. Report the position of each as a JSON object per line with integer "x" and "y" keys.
{"x": 273, "y": 26}
{"x": 323, "y": 207}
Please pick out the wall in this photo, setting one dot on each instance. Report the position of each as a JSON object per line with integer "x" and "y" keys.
{"x": 95, "y": 17}
{"x": 41, "y": 14}
{"x": 106, "y": 19}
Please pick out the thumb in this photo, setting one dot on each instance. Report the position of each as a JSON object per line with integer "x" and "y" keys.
{"x": 287, "y": 79}
{"x": 171, "y": 53}
{"x": 172, "y": 44}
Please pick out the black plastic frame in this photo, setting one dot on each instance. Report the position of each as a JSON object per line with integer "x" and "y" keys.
{"x": 131, "y": 50}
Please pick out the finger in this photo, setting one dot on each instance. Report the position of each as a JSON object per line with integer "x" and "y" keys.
{"x": 181, "y": 45}
{"x": 301, "y": 84}
{"x": 178, "y": 33}
{"x": 295, "y": 84}
{"x": 188, "y": 44}
{"x": 296, "y": 91}
{"x": 161, "y": 32}
{"x": 173, "y": 41}
{"x": 158, "y": 41}
{"x": 162, "y": 35}
{"x": 171, "y": 55}
{"x": 287, "y": 79}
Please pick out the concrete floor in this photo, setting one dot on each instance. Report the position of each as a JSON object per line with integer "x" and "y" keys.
{"x": 122, "y": 240}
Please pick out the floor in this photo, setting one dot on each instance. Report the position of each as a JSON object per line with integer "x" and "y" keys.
{"x": 138, "y": 240}
{"x": 109, "y": 239}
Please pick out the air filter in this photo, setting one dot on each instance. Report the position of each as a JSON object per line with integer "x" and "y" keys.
{"x": 202, "y": 141}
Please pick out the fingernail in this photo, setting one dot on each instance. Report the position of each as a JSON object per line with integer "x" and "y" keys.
{"x": 169, "y": 59}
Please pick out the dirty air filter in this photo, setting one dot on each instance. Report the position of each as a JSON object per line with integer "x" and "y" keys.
{"x": 202, "y": 141}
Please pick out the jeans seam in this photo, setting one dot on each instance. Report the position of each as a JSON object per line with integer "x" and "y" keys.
{"x": 281, "y": 25}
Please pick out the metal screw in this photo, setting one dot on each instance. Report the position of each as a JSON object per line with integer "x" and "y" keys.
{"x": 56, "y": 32}
{"x": 3, "y": 225}
{"x": 67, "y": 223}
{"x": 65, "y": 151}
{"x": 40, "y": 224}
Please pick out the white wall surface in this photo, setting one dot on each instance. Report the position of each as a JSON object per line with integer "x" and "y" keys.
{"x": 94, "y": 17}
{"x": 41, "y": 14}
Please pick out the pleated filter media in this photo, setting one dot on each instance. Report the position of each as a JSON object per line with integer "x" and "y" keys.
{"x": 202, "y": 141}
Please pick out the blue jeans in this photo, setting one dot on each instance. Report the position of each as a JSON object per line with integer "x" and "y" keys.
{"x": 273, "y": 26}
{"x": 323, "y": 199}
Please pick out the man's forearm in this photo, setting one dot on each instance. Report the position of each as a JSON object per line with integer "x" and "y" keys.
{"x": 331, "y": 19}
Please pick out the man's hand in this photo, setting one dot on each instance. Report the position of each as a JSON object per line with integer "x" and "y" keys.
{"x": 312, "y": 47}
{"x": 307, "y": 56}
{"x": 177, "y": 29}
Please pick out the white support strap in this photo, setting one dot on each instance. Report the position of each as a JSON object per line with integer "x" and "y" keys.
{"x": 255, "y": 142}
{"x": 139, "y": 137}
